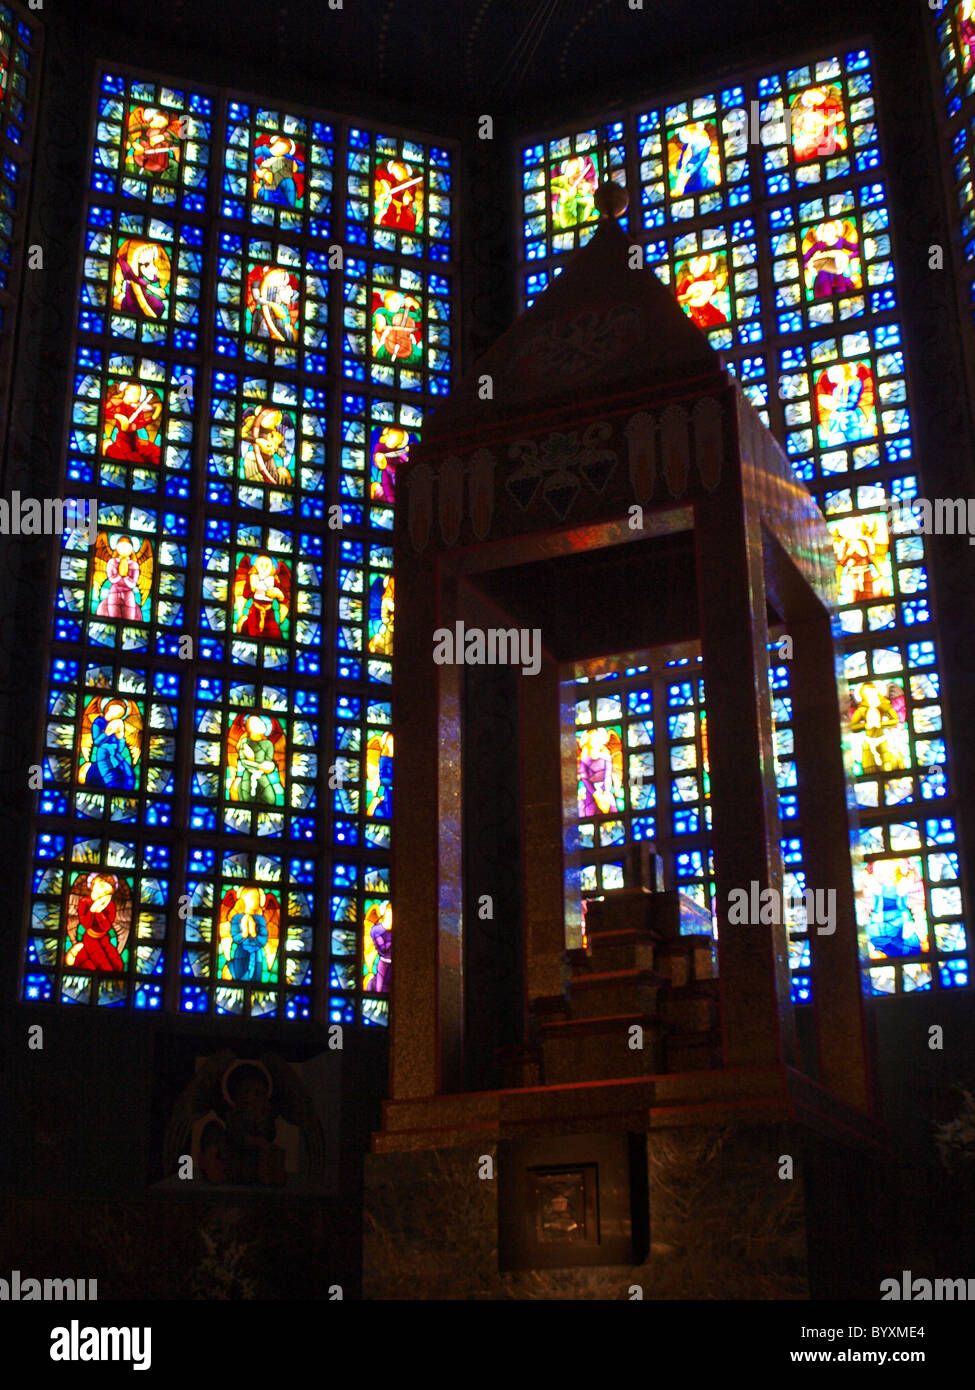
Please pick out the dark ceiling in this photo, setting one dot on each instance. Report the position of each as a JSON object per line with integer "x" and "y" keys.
{"x": 496, "y": 56}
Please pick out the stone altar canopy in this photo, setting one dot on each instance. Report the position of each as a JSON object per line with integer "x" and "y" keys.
{"x": 599, "y": 485}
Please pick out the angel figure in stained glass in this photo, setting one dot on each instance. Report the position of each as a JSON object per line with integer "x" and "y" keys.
{"x": 99, "y": 913}
{"x": 600, "y": 770}
{"x": 892, "y": 897}
{"x": 272, "y": 304}
{"x": 702, "y": 289}
{"x": 830, "y": 253}
{"x": 249, "y": 929}
{"x": 122, "y": 579}
{"x": 390, "y": 446}
{"x": 268, "y": 446}
{"x": 862, "y": 545}
{"x": 693, "y": 159}
{"x": 878, "y": 719}
{"x": 255, "y": 760}
{"x": 574, "y": 184}
{"x": 131, "y": 427}
{"x": 398, "y": 197}
{"x": 153, "y": 142}
{"x": 379, "y": 949}
{"x": 279, "y": 170}
{"x": 818, "y": 123}
{"x": 110, "y": 744}
{"x": 396, "y": 325}
{"x": 845, "y": 403}
{"x": 143, "y": 271}
{"x": 262, "y": 591}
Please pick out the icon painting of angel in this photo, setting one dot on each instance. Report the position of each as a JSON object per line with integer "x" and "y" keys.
{"x": 98, "y": 922}
{"x": 140, "y": 284}
{"x": 246, "y": 1121}
{"x": 262, "y": 595}
{"x": 256, "y": 760}
{"x": 267, "y": 448}
{"x": 249, "y": 931}
{"x": 122, "y": 580}
{"x": 110, "y": 744}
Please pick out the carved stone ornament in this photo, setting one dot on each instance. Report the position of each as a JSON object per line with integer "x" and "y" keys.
{"x": 420, "y": 505}
{"x": 481, "y": 491}
{"x": 451, "y": 498}
{"x": 641, "y": 433}
{"x": 708, "y": 441}
{"x": 675, "y": 445}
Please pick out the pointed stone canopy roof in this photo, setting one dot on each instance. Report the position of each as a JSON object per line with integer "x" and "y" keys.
{"x": 599, "y": 329}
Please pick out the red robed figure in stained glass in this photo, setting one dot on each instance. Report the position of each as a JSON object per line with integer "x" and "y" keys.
{"x": 262, "y": 591}
{"x": 398, "y": 196}
{"x": 131, "y": 427}
{"x": 153, "y": 141}
{"x": 95, "y": 926}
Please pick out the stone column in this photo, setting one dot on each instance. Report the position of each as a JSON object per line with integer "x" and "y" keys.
{"x": 543, "y": 893}
{"x": 420, "y": 686}
{"x": 827, "y": 834}
{"x": 758, "y": 1024}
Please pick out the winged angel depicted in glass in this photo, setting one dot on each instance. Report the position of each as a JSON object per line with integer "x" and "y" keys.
{"x": 122, "y": 579}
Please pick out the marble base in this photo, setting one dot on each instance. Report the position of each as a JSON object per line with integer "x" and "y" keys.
{"x": 722, "y": 1223}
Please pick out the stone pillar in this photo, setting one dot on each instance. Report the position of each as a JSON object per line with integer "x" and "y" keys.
{"x": 758, "y": 1024}
{"x": 543, "y": 891}
{"x": 420, "y": 685}
{"x": 827, "y": 833}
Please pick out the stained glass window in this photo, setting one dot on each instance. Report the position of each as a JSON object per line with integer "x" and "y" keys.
{"x": 98, "y": 924}
{"x": 20, "y": 43}
{"x": 763, "y": 206}
{"x": 559, "y": 180}
{"x": 260, "y": 331}
{"x": 126, "y": 590}
{"x": 397, "y": 355}
{"x": 955, "y": 33}
{"x": 642, "y": 774}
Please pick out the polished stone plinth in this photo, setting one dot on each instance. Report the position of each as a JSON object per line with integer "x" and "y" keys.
{"x": 746, "y": 1189}
{"x": 721, "y": 1222}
